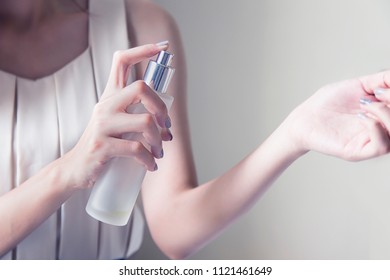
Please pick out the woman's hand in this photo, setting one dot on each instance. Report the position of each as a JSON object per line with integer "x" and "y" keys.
{"x": 378, "y": 108}
{"x": 332, "y": 122}
{"x": 102, "y": 139}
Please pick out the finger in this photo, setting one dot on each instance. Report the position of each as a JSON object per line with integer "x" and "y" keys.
{"x": 133, "y": 149}
{"x": 143, "y": 124}
{"x": 382, "y": 94}
{"x": 378, "y": 142}
{"x": 123, "y": 59}
{"x": 377, "y": 80}
{"x": 379, "y": 110}
{"x": 140, "y": 92}
{"x": 166, "y": 134}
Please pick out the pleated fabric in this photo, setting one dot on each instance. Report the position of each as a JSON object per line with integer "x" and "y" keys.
{"x": 41, "y": 120}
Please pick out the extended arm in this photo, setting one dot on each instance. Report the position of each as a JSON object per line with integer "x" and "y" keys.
{"x": 183, "y": 215}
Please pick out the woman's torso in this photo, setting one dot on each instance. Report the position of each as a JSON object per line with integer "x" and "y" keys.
{"x": 42, "y": 119}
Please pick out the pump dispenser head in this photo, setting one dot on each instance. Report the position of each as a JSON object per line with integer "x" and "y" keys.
{"x": 158, "y": 74}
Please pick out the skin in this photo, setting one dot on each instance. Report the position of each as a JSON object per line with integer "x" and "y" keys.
{"x": 182, "y": 215}
{"x": 379, "y": 108}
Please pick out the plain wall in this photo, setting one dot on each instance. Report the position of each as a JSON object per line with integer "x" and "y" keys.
{"x": 250, "y": 63}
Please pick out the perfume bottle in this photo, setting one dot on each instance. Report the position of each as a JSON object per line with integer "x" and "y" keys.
{"x": 116, "y": 190}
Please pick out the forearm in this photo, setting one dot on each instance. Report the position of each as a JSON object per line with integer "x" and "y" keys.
{"x": 27, "y": 206}
{"x": 196, "y": 215}
{"x": 230, "y": 195}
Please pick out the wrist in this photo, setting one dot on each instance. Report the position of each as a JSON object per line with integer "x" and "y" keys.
{"x": 288, "y": 142}
{"x": 62, "y": 173}
{"x": 294, "y": 131}
{"x": 52, "y": 183}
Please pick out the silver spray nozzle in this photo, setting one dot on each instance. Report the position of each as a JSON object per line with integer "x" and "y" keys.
{"x": 158, "y": 74}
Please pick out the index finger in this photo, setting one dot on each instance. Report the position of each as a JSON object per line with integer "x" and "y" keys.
{"x": 377, "y": 80}
{"x": 123, "y": 59}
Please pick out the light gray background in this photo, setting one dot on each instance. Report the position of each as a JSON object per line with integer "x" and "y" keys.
{"x": 250, "y": 63}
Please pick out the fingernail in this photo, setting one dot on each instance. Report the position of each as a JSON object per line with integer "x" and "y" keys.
{"x": 168, "y": 122}
{"x": 155, "y": 167}
{"x": 379, "y": 91}
{"x": 162, "y": 44}
{"x": 365, "y": 101}
{"x": 362, "y": 116}
{"x": 158, "y": 154}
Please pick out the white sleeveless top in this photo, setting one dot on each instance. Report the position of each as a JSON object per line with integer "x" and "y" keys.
{"x": 40, "y": 120}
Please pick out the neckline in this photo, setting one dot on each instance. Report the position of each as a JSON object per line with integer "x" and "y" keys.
{"x": 63, "y": 67}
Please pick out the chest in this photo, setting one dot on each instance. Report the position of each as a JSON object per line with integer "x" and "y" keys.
{"x": 40, "y": 51}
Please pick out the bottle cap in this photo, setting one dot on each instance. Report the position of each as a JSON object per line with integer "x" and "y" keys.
{"x": 158, "y": 74}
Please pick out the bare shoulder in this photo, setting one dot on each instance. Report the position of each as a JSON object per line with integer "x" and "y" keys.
{"x": 140, "y": 8}
{"x": 149, "y": 23}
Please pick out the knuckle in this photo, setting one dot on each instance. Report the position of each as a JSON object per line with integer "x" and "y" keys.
{"x": 137, "y": 148}
{"x": 161, "y": 106}
{"x": 118, "y": 56}
{"x": 148, "y": 121}
{"x": 100, "y": 123}
{"x": 140, "y": 87}
{"x": 98, "y": 146}
{"x": 99, "y": 109}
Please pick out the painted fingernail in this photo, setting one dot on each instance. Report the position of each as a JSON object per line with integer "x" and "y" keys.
{"x": 170, "y": 136}
{"x": 362, "y": 116}
{"x": 379, "y": 91}
{"x": 155, "y": 167}
{"x": 162, "y": 44}
{"x": 168, "y": 122}
{"x": 365, "y": 101}
{"x": 158, "y": 153}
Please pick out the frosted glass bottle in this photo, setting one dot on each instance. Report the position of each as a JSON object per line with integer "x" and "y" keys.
{"x": 116, "y": 190}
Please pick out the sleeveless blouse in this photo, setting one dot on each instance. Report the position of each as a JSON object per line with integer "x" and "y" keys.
{"x": 40, "y": 120}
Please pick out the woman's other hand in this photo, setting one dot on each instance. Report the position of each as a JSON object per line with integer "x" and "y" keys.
{"x": 333, "y": 122}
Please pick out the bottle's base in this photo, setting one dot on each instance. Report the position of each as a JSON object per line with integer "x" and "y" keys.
{"x": 115, "y": 219}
